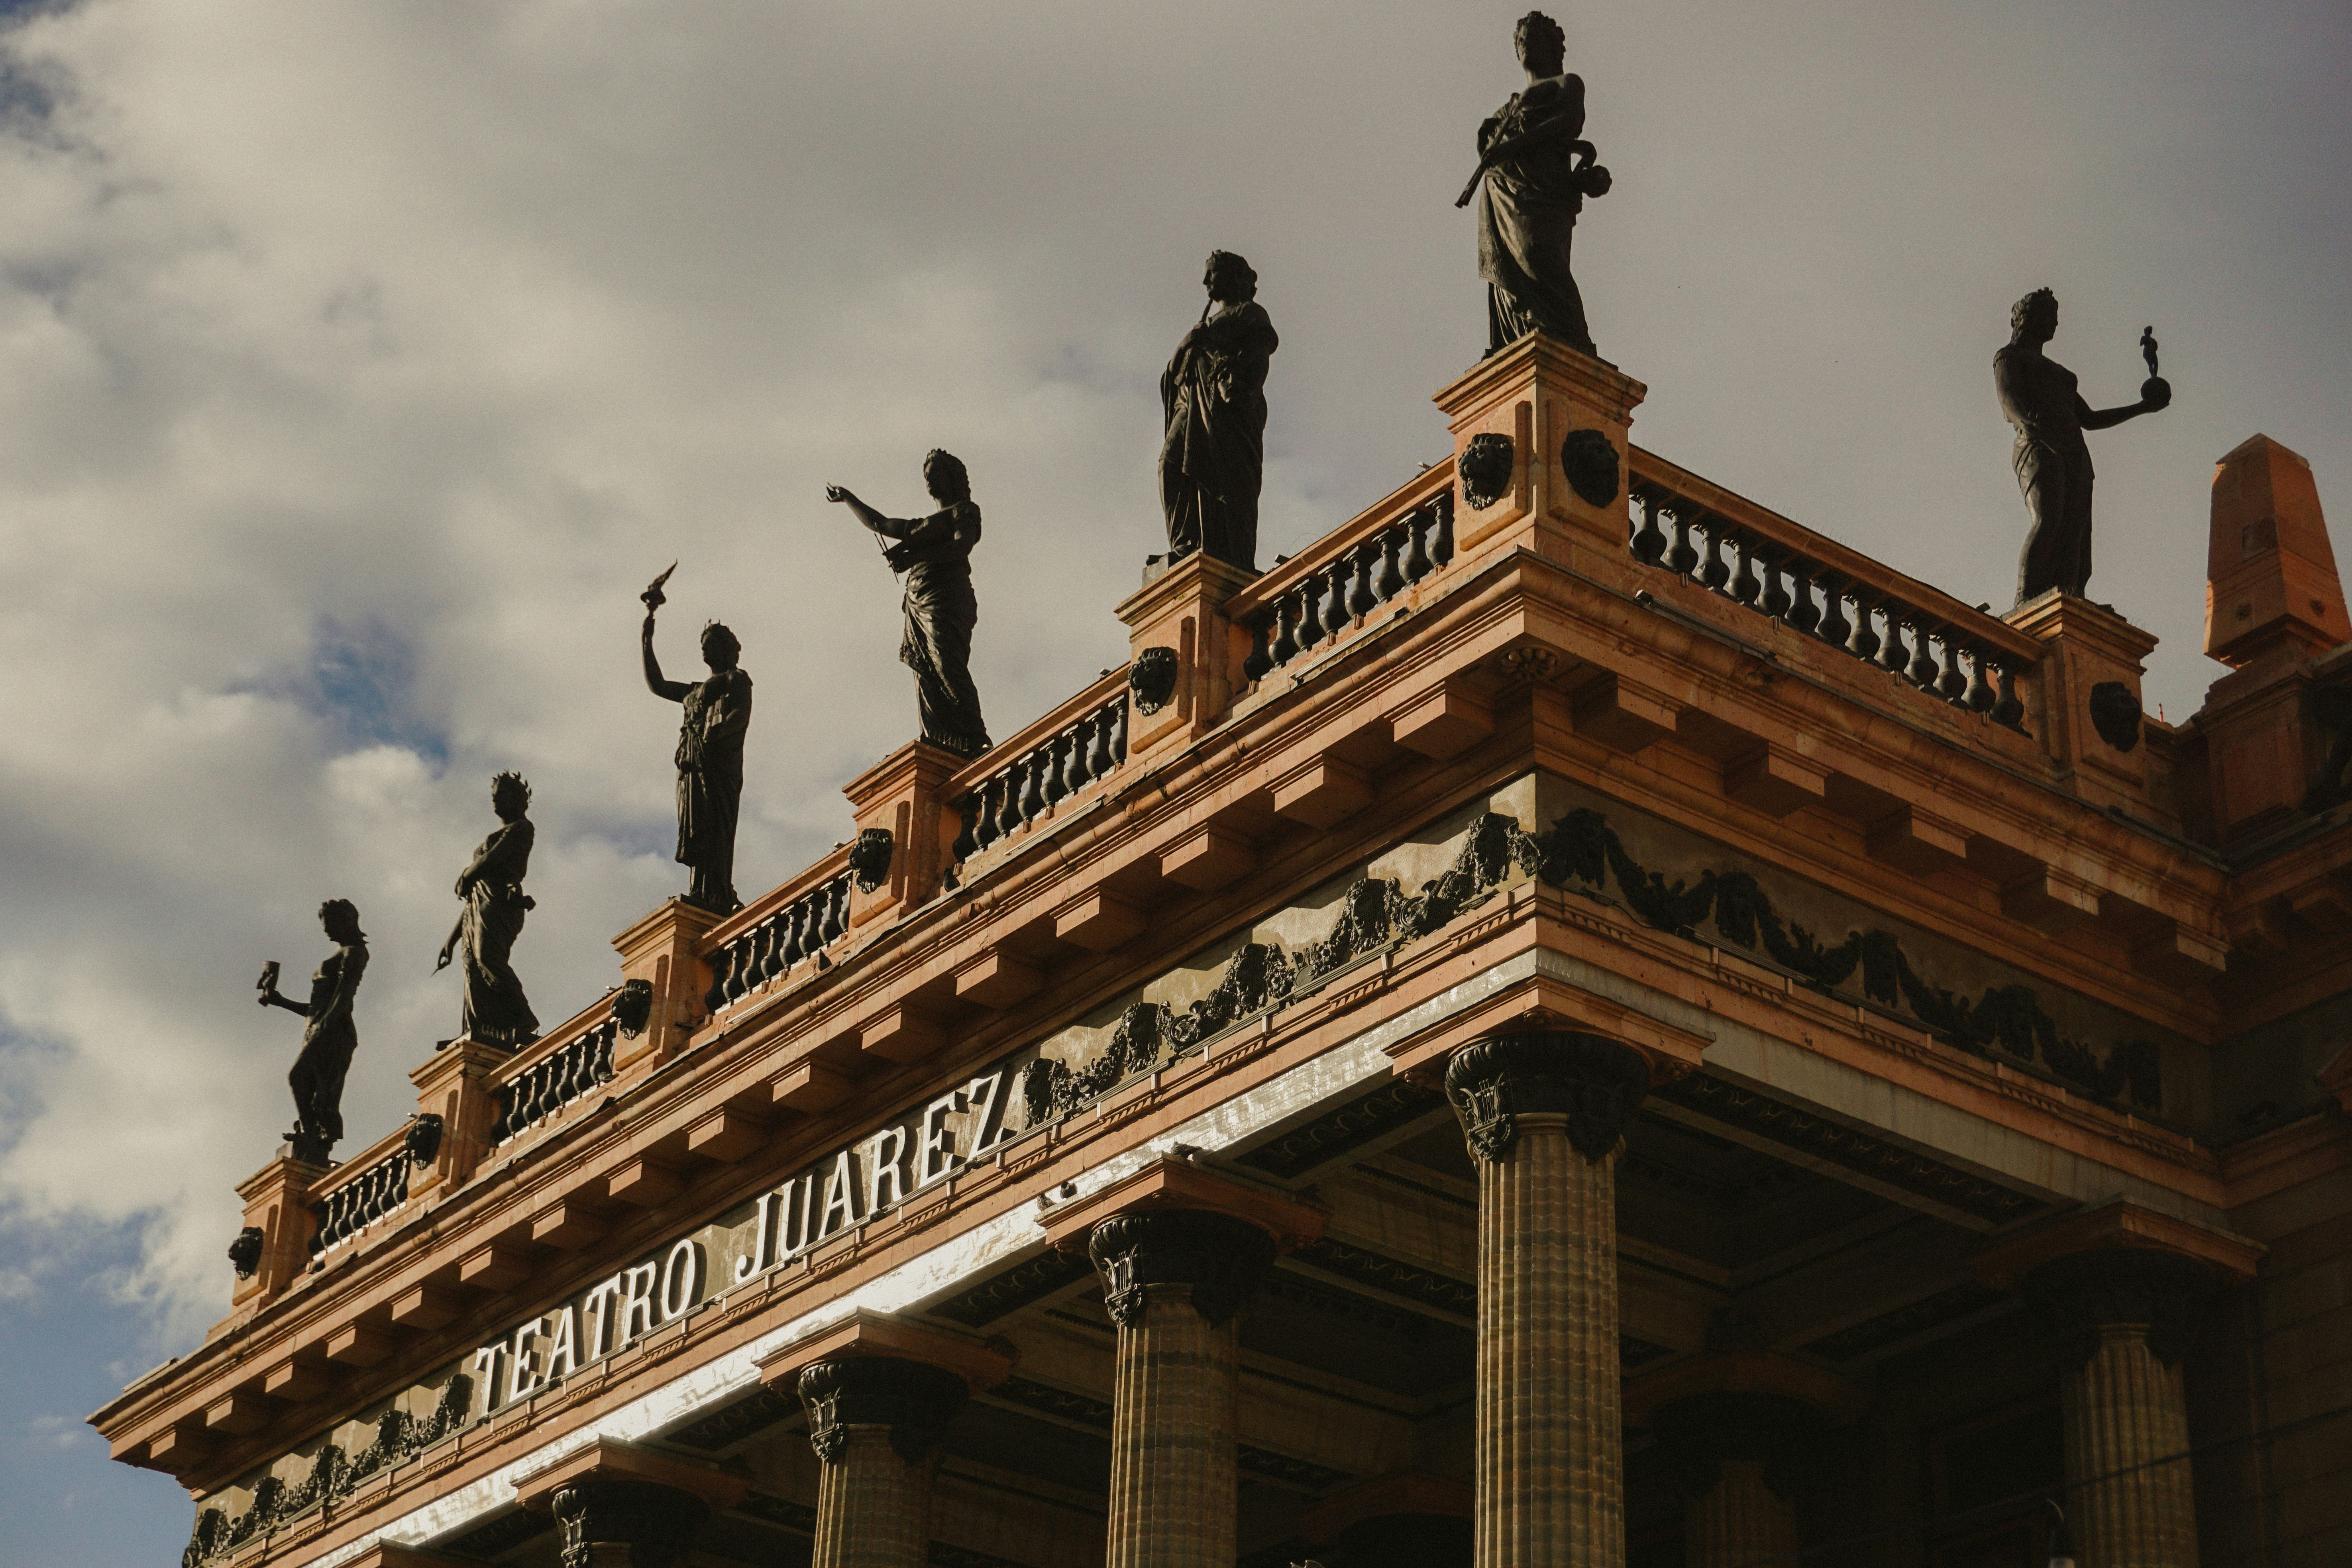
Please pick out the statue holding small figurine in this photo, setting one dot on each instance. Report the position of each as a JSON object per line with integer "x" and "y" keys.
{"x": 940, "y": 609}
{"x": 2051, "y": 460}
{"x": 1534, "y": 174}
{"x": 329, "y": 1036}
{"x": 496, "y": 1012}
{"x": 1212, "y": 406}
{"x": 709, "y": 756}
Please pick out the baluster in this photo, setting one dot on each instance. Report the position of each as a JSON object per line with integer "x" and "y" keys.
{"x": 1416, "y": 555}
{"x": 1391, "y": 581}
{"x": 1442, "y": 550}
{"x": 1054, "y": 759}
{"x": 1803, "y": 613}
{"x": 1119, "y": 746}
{"x": 1260, "y": 661}
{"x": 1977, "y": 697}
{"x": 1285, "y": 625}
{"x": 1362, "y": 600}
{"x": 1921, "y": 671}
{"x": 1895, "y": 654}
{"x": 1776, "y": 601}
{"x": 716, "y": 997}
{"x": 1744, "y": 585}
{"x": 1684, "y": 557}
{"x": 759, "y": 970}
{"x": 1033, "y": 786}
{"x": 794, "y": 922}
{"x": 738, "y": 964}
{"x": 836, "y": 894}
{"x": 1952, "y": 684}
{"x": 1648, "y": 543}
{"x": 2008, "y": 710}
{"x": 984, "y": 830}
{"x": 1101, "y": 761}
{"x": 1715, "y": 573}
{"x": 1863, "y": 645}
{"x": 1336, "y": 614}
{"x": 1081, "y": 772}
{"x": 1834, "y": 628}
{"x": 1008, "y": 819}
{"x": 967, "y": 841}
{"x": 1310, "y": 619}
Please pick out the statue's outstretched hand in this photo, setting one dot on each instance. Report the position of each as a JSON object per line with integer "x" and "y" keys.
{"x": 443, "y": 963}
{"x": 835, "y": 493}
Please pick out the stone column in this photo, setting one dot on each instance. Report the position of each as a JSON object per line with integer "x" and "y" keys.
{"x": 1543, "y": 1113}
{"x": 2122, "y": 1319}
{"x": 1179, "y": 1249}
{"x": 1732, "y": 1454}
{"x": 620, "y": 1506}
{"x": 1738, "y": 1426}
{"x": 879, "y": 1392}
{"x": 2121, "y": 1287}
{"x": 626, "y": 1524}
{"x": 875, "y": 1421}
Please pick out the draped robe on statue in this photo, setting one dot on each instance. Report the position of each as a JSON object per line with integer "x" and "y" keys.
{"x": 1212, "y": 463}
{"x": 496, "y": 1011}
{"x": 941, "y": 610}
{"x": 710, "y": 784}
{"x": 1527, "y": 206}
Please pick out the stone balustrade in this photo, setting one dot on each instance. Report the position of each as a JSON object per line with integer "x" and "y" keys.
{"x": 1825, "y": 591}
{"x": 795, "y": 930}
{"x": 551, "y": 1074}
{"x": 1315, "y": 596}
{"x": 371, "y": 1186}
{"x": 1075, "y": 754}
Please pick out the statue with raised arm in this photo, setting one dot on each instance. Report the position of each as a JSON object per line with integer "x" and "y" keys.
{"x": 1534, "y": 173}
{"x": 1213, "y": 403}
{"x": 709, "y": 757}
{"x": 329, "y": 1036}
{"x": 496, "y": 1012}
{"x": 935, "y": 552}
{"x": 2052, "y": 460}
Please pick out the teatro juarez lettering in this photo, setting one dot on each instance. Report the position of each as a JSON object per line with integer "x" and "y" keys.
{"x": 921, "y": 1147}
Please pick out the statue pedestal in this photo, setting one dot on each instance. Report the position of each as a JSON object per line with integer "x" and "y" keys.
{"x": 1542, "y": 396}
{"x": 2089, "y": 647}
{"x": 276, "y": 1204}
{"x": 1183, "y": 610}
{"x": 905, "y": 795}
{"x": 454, "y": 1086}
{"x": 665, "y": 950}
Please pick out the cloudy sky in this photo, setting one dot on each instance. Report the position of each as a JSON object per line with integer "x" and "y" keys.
{"x": 359, "y": 362}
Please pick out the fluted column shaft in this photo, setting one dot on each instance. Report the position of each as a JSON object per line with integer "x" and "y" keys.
{"x": 2122, "y": 1408}
{"x": 873, "y": 1506}
{"x": 1174, "y": 1280}
{"x": 1739, "y": 1521}
{"x": 1543, "y": 1114}
{"x": 875, "y": 1422}
{"x": 2122, "y": 1318}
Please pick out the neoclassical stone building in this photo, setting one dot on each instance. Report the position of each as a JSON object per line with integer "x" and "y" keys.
{"x": 1576, "y": 1021}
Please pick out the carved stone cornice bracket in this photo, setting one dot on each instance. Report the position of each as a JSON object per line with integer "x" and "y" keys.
{"x": 876, "y": 1370}
{"x": 617, "y": 1503}
{"x": 1176, "y": 1223}
{"x": 1594, "y": 1081}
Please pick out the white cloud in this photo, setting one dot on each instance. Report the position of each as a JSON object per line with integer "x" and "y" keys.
{"x": 360, "y": 364}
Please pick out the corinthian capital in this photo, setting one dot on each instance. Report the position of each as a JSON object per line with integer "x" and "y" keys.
{"x": 1591, "y": 1079}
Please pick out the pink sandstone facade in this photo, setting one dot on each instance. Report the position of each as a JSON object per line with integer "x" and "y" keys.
{"x": 1600, "y": 1028}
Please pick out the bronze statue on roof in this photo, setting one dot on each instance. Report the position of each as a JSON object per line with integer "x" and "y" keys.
{"x": 2051, "y": 460}
{"x": 1534, "y": 173}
